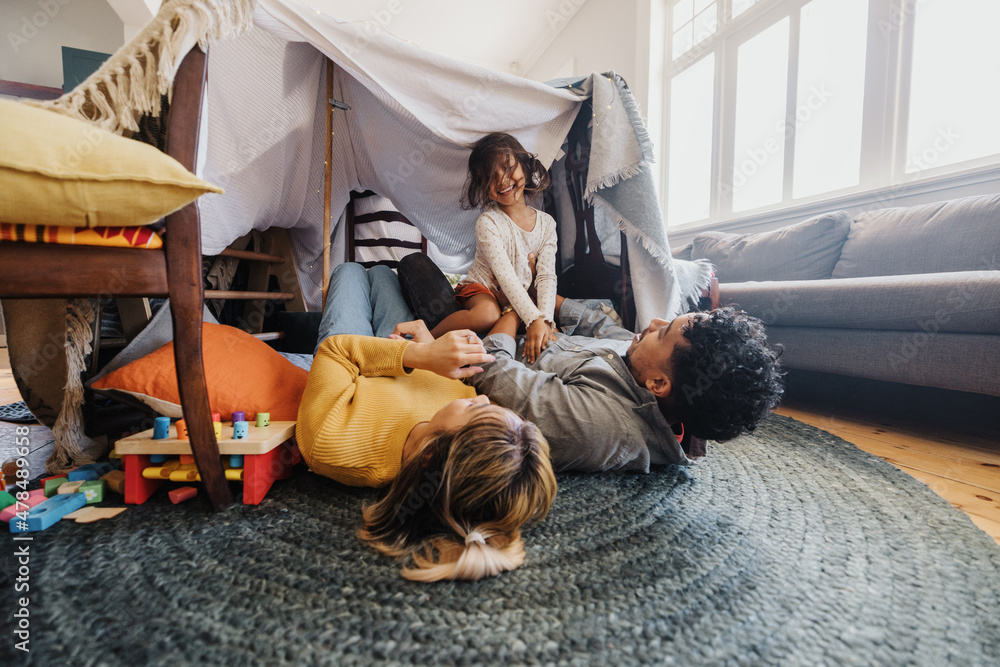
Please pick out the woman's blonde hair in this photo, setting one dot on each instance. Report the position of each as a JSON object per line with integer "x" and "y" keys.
{"x": 456, "y": 509}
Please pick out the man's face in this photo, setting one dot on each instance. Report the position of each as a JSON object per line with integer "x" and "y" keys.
{"x": 649, "y": 354}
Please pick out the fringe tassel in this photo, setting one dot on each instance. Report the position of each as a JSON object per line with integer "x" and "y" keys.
{"x": 129, "y": 84}
{"x": 70, "y": 442}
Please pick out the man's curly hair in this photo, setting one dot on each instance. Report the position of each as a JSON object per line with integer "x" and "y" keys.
{"x": 728, "y": 378}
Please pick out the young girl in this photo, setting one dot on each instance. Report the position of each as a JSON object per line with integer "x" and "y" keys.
{"x": 463, "y": 476}
{"x": 501, "y": 174}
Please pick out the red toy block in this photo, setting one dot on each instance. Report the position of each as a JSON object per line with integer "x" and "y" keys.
{"x": 35, "y": 497}
{"x": 183, "y": 493}
{"x": 138, "y": 489}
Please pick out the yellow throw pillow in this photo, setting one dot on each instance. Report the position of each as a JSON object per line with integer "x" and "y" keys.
{"x": 57, "y": 170}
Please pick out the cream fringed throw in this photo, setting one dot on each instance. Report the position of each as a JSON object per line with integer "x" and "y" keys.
{"x": 130, "y": 82}
{"x": 126, "y": 87}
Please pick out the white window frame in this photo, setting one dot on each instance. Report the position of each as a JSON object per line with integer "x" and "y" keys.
{"x": 883, "y": 180}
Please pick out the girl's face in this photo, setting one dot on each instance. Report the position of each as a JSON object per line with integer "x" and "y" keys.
{"x": 507, "y": 186}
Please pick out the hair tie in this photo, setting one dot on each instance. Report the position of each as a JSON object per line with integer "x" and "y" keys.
{"x": 475, "y": 536}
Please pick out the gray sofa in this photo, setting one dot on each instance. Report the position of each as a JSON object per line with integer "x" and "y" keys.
{"x": 908, "y": 295}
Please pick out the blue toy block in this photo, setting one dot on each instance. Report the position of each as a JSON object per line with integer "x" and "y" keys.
{"x": 157, "y": 458}
{"x": 89, "y": 472}
{"x": 235, "y": 460}
{"x": 43, "y": 515}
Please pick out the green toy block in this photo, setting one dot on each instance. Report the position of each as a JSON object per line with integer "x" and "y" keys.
{"x": 52, "y": 485}
{"x": 93, "y": 490}
{"x": 6, "y": 500}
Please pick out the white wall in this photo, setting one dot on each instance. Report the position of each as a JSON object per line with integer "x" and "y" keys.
{"x": 34, "y": 32}
{"x": 603, "y": 35}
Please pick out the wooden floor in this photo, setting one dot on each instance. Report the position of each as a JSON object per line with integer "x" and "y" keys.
{"x": 962, "y": 469}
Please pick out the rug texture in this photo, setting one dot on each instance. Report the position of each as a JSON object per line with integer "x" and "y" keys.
{"x": 788, "y": 547}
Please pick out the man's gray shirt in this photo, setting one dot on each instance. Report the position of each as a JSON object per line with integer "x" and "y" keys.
{"x": 581, "y": 395}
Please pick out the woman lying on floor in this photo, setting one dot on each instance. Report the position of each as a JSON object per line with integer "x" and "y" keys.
{"x": 463, "y": 476}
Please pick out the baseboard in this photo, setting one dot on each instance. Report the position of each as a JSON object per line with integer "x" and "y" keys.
{"x": 941, "y": 411}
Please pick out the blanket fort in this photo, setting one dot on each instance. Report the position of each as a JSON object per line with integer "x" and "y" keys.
{"x": 413, "y": 114}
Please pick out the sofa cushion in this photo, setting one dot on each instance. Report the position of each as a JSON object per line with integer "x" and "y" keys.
{"x": 947, "y": 360}
{"x": 956, "y": 235}
{"x": 57, "y": 170}
{"x": 962, "y": 302}
{"x": 804, "y": 251}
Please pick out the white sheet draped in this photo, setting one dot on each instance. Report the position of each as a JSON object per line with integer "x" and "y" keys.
{"x": 413, "y": 114}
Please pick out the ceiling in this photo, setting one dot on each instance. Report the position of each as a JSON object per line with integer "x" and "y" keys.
{"x": 509, "y": 36}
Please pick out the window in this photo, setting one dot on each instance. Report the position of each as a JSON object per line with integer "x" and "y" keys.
{"x": 774, "y": 103}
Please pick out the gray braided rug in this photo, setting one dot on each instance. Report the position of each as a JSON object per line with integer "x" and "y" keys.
{"x": 790, "y": 547}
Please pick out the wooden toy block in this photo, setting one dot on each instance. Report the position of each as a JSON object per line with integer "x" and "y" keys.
{"x": 268, "y": 454}
{"x": 45, "y": 514}
{"x": 234, "y": 474}
{"x": 161, "y": 472}
{"x": 263, "y": 419}
{"x": 35, "y": 497}
{"x": 182, "y": 493}
{"x": 138, "y": 489}
{"x": 157, "y": 458}
{"x": 217, "y": 417}
{"x": 116, "y": 481}
{"x": 6, "y": 500}
{"x": 89, "y": 472}
{"x": 187, "y": 459}
{"x": 52, "y": 484}
{"x": 236, "y": 461}
{"x": 217, "y": 426}
{"x": 69, "y": 487}
{"x": 161, "y": 428}
{"x": 185, "y": 473}
{"x": 93, "y": 490}
{"x": 92, "y": 514}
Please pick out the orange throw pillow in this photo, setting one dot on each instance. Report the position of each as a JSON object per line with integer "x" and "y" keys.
{"x": 242, "y": 373}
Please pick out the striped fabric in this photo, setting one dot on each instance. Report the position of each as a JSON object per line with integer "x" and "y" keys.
{"x": 111, "y": 237}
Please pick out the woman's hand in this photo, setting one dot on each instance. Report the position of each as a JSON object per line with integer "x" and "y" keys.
{"x": 537, "y": 339}
{"x": 417, "y": 330}
{"x": 453, "y": 355}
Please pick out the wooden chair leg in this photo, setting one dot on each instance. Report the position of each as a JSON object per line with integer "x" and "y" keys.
{"x": 186, "y": 306}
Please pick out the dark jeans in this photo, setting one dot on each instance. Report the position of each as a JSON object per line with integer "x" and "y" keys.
{"x": 426, "y": 289}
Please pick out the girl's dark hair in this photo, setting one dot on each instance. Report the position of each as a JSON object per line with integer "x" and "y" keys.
{"x": 492, "y": 151}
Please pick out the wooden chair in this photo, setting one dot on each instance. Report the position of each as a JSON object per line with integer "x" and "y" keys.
{"x": 34, "y": 271}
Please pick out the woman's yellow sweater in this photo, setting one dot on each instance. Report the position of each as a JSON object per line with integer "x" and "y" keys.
{"x": 360, "y": 404}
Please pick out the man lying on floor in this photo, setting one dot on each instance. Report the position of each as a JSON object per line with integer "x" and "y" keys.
{"x": 609, "y": 399}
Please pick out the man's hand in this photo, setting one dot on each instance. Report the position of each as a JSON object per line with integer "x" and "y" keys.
{"x": 417, "y": 330}
{"x": 450, "y": 356}
{"x": 537, "y": 339}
